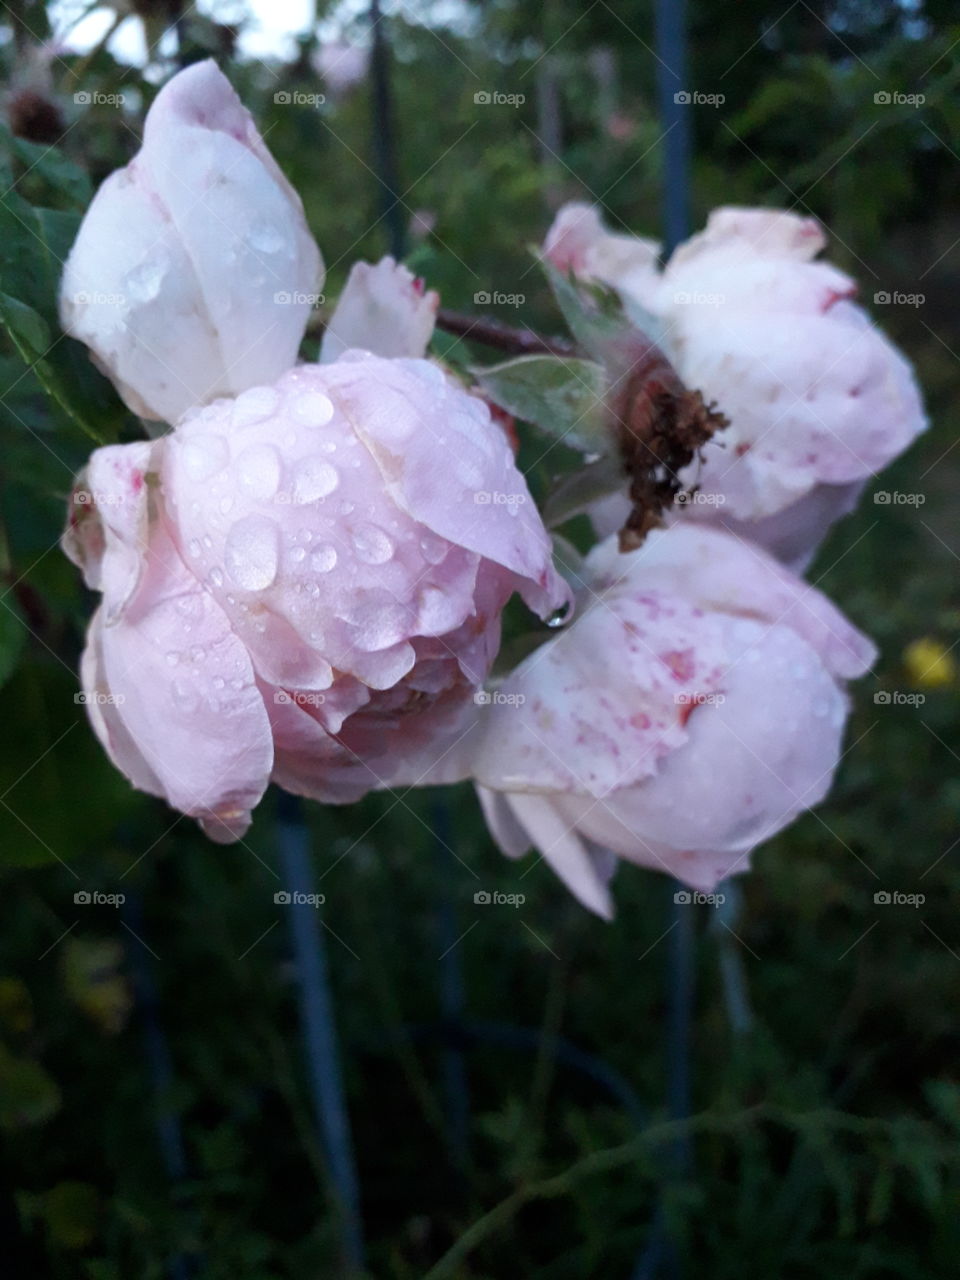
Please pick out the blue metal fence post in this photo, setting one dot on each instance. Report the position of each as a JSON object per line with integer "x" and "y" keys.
{"x": 674, "y": 110}
{"x": 317, "y": 1021}
{"x": 384, "y": 144}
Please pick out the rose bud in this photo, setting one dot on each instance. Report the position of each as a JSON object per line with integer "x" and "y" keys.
{"x": 193, "y": 273}
{"x": 817, "y": 399}
{"x": 693, "y": 709}
{"x": 384, "y": 309}
{"x": 304, "y": 583}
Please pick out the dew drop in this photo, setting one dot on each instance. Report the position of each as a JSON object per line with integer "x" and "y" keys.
{"x": 142, "y": 284}
{"x": 324, "y": 558}
{"x": 372, "y": 545}
{"x": 297, "y": 554}
{"x": 313, "y": 408}
{"x": 258, "y": 471}
{"x": 185, "y": 696}
{"x": 434, "y": 549}
{"x": 204, "y": 455}
{"x": 266, "y": 237}
{"x": 314, "y": 479}
{"x": 216, "y": 577}
{"x": 254, "y": 406}
{"x": 253, "y": 553}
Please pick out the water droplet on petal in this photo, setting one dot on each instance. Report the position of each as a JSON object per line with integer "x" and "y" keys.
{"x": 254, "y": 406}
{"x": 204, "y": 455}
{"x": 216, "y": 577}
{"x": 253, "y": 553}
{"x": 434, "y": 549}
{"x": 372, "y": 545}
{"x": 313, "y": 408}
{"x": 258, "y": 471}
{"x": 185, "y": 696}
{"x": 297, "y": 554}
{"x": 266, "y": 237}
{"x": 559, "y": 616}
{"x": 324, "y": 558}
{"x": 142, "y": 284}
{"x": 314, "y": 479}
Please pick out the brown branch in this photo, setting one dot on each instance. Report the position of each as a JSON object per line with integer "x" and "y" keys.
{"x": 504, "y": 337}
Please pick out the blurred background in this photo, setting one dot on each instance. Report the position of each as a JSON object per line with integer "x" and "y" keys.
{"x": 509, "y": 1070}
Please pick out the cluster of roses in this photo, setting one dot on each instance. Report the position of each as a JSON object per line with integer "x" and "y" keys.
{"x": 303, "y": 578}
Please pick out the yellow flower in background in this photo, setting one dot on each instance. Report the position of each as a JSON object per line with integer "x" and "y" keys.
{"x": 930, "y": 663}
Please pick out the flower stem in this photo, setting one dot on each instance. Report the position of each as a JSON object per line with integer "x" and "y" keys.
{"x": 504, "y": 337}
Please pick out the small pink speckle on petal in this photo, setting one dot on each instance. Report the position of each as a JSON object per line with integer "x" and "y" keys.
{"x": 679, "y": 662}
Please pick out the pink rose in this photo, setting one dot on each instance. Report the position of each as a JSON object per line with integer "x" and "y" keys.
{"x": 303, "y": 583}
{"x": 693, "y": 710}
{"x": 818, "y": 399}
{"x": 193, "y": 273}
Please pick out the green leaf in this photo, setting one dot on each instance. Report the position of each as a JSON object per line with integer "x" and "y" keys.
{"x": 49, "y": 165}
{"x": 33, "y": 246}
{"x": 28, "y": 1094}
{"x": 562, "y": 395}
{"x": 592, "y": 312}
{"x": 28, "y": 330}
{"x": 606, "y": 328}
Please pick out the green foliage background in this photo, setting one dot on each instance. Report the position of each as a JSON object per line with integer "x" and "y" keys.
{"x": 826, "y": 1137}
